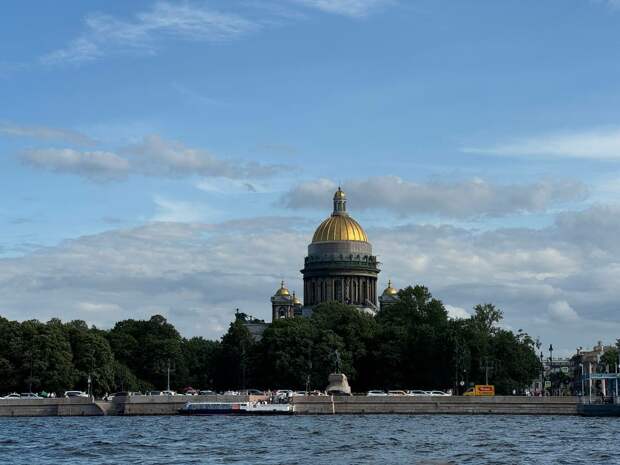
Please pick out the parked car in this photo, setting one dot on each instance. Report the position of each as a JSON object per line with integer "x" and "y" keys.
{"x": 376, "y": 393}
{"x": 438, "y": 393}
{"x": 231, "y": 393}
{"x": 168, "y": 393}
{"x": 13, "y": 395}
{"x": 299, "y": 393}
{"x": 75, "y": 394}
{"x": 252, "y": 392}
{"x": 396, "y": 393}
{"x": 207, "y": 392}
{"x": 317, "y": 393}
{"x": 119, "y": 394}
{"x": 284, "y": 393}
{"x": 154, "y": 393}
{"x": 417, "y": 392}
{"x": 29, "y": 395}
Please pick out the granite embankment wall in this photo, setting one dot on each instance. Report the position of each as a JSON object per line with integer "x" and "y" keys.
{"x": 164, "y": 405}
{"x": 49, "y": 407}
{"x": 508, "y": 405}
{"x": 134, "y": 405}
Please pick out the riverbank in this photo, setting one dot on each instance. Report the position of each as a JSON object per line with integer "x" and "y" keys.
{"x": 304, "y": 405}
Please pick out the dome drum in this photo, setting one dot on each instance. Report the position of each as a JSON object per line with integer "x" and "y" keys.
{"x": 348, "y": 289}
{"x": 339, "y": 248}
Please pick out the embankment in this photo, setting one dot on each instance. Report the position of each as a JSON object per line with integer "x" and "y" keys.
{"x": 324, "y": 405}
{"x": 505, "y": 405}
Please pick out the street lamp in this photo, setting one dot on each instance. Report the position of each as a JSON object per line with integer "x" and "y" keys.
{"x": 542, "y": 375}
{"x": 551, "y": 366}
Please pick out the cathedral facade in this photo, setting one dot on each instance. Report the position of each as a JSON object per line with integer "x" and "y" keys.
{"x": 340, "y": 267}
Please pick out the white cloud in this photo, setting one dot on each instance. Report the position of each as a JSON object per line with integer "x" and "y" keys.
{"x": 179, "y": 20}
{"x": 459, "y": 199}
{"x": 160, "y": 157}
{"x": 561, "y": 311}
{"x": 45, "y": 133}
{"x": 154, "y": 156}
{"x": 352, "y": 8}
{"x": 457, "y": 312}
{"x": 600, "y": 144}
{"x": 96, "y": 165}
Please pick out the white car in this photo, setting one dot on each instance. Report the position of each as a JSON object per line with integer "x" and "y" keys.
{"x": 13, "y": 395}
{"x": 418, "y": 392}
{"x": 396, "y": 392}
{"x": 376, "y": 393}
{"x": 299, "y": 393}
{"x": 438, "y": 393}
{"x": 75, "y": 394}
{"x": 29, "y": 395}
{"x": 284, "y": 393}
{"x": 231, "y": 393}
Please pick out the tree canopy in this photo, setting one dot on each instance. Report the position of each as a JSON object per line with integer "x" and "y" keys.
{"x": 411, "y": 344}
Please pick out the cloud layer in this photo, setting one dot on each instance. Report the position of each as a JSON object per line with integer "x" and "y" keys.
{"x": 558, "y": 282}
{"x": 154, "y": 156}
{"x": 46, "y": 133}
{"x": 188, "y": 21}
{"x": 352, "y": 8}
{"x": 105, "y": 33}
{"x": 464, "y": 199}
{"x": 598, "y": 144}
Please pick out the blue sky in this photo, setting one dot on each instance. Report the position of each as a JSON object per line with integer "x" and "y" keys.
{"x": 482, "y": 136}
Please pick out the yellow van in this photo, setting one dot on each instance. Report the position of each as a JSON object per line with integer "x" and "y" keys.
{"x": 480, "y": 390}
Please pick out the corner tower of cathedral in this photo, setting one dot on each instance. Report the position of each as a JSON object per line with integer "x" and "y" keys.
{"x": 340, "y": 265}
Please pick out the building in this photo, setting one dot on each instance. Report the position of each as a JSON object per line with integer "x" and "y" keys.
{"x": 340, "y": 267}
{"x": 284, "y": 304}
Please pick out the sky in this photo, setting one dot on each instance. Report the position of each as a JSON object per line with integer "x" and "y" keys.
{"x": 175, "y": 157}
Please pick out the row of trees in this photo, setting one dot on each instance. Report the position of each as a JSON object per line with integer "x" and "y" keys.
{"x": 411, "y": 344}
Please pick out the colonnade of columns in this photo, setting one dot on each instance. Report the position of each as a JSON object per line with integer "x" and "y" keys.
{"x": 355, "y": 290}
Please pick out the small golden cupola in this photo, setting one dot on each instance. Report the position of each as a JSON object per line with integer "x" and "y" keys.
{"x": 389, "y": 297}
{"x": 389, "y": 290}
{"x": 339, "y": 226}
{"x": 283, "y": 291}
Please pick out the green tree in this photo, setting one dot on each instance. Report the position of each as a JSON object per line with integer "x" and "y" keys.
{"x": 235, "y": 367}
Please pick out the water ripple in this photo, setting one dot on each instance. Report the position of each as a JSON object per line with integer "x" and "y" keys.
{"x": 309, "y": 440}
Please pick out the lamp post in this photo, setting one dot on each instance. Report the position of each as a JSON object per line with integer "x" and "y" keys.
{"x": 551, "y": 366}
{"x": 542, "y": 375}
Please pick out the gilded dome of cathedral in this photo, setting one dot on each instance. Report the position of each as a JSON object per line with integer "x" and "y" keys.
{"x": 283, "y": 291}
{"x": 390, "y": 290}
{"x": 339, "y": 226}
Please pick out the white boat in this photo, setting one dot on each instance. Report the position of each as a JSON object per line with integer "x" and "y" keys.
{"x": 236, "y": 408}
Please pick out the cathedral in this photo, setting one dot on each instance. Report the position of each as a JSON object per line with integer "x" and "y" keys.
{"x": 340, "y": 266}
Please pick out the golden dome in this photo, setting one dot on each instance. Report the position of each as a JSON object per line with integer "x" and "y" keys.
{"x": 339, "y": 226}
{"x": 283, "y": 291}
{"x": 296, "y": 300}
{"x": 390, "y": 290}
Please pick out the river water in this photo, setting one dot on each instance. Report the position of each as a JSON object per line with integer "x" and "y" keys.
{"x": 313, "y": 440}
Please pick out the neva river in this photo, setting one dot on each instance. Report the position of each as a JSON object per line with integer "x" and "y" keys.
{"x": 313, "y": 440}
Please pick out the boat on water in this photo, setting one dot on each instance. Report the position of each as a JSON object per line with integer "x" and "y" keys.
{"x": 236, "y": 408}
{"x": 598, "y": 410}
